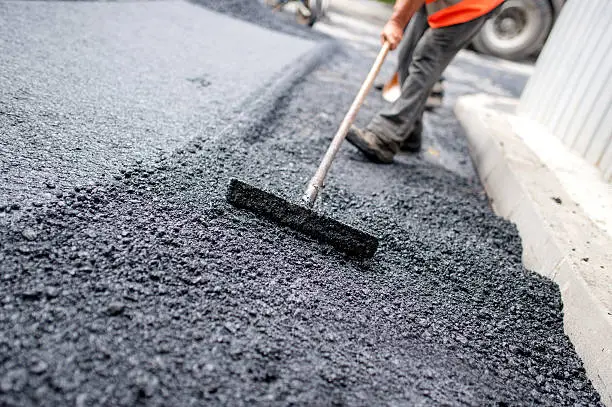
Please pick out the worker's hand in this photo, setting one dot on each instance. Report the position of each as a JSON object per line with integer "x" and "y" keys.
{"x": 393, "y": 33}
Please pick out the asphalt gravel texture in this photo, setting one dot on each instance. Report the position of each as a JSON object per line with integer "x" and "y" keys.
{"x": 147, "y": 288}
{"x": 87, "y": 87}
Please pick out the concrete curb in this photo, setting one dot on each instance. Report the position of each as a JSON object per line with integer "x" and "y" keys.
{"x": 559, "y": 240}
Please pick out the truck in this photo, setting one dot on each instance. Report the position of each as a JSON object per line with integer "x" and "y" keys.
{"x": 516, "y": 31}
{"x": 518, "y": 28}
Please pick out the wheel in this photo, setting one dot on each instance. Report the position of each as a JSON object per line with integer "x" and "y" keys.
{"x": 517, "y": 30}
{"x": 315, "y": 9}
{"x": 318, "y": 8}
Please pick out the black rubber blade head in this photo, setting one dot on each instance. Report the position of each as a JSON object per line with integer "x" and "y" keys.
{"x": 344, "y": 238}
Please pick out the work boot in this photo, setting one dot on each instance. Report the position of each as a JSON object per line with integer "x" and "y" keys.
{"x": 370, "y": 145}
{"x": 438, "y": 88}
{"x": 413, "y": 143}
{"x": 433, "y": 102}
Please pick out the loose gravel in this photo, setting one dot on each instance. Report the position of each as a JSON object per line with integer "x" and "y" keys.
{"x": 87, "y": 87}
{"x": 150, "y": 289}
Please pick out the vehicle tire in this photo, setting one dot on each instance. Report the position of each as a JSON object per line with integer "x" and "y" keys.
{"x": 318, "y": 8}
{"x": 517, "y": 29}
{"x": 315, "y": 9}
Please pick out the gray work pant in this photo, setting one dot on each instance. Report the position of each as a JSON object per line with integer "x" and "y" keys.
{"x": 423, "y": 55}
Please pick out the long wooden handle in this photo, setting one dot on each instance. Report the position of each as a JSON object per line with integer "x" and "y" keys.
{"x": 316, "y": 182}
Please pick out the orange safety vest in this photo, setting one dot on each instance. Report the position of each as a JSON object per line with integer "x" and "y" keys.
{"x": 443, "y": 13}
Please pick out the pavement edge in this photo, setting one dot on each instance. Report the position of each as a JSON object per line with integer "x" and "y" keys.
{"x": 520, "y": 187}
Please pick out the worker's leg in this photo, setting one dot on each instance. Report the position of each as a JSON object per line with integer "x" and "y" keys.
{"x": 412, "y": 34}
{"x": 433, "y": 53}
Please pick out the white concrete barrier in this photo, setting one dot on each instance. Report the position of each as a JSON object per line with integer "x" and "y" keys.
{"x": 570, "y": 92}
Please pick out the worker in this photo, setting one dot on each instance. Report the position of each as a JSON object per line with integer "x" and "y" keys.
{"x": 438, "y": 29}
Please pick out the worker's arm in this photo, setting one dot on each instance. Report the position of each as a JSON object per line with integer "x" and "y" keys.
{"x": 402, "y": 13}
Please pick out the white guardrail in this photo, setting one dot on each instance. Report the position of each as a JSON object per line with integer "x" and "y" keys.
{"x": 570, "y": 92}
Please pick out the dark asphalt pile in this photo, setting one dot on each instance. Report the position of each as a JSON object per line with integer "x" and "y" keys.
{"x": 149, "y": 289}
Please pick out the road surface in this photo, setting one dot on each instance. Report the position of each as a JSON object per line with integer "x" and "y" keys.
{"x": 149, "y": 289}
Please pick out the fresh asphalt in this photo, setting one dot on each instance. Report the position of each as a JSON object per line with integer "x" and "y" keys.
{"x": 86, "y": 87}
{"x": 145, "y": 287}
